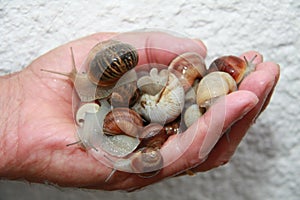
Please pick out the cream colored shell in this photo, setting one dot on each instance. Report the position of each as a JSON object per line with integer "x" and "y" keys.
{"x": 191, "y": 114}
{"x": 164, "y": 106}
{"x": 214, "y": 85}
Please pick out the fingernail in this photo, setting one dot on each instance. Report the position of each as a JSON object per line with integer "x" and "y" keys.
{"x": 215, "y": 131}
{"x": 250, "y": 105}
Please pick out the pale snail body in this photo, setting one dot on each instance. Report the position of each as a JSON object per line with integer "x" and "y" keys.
{"x": 91, "y": 134}
{"x": 165, "y": 105}
{"x": 83, "y": 110}
{"x": 90, "y": 131}
{"x": 107, "y": 62}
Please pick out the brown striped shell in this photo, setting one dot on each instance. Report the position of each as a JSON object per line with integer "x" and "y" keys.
{"x": 122, "y": 121}
{"x": 147, "y": 160}
{"x": 124, "y": 95}
{"x": 153, "y": 136}
{"x": 109, "y": 60}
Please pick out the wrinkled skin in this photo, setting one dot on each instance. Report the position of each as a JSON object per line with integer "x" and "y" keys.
{"x": 38, "y": 120}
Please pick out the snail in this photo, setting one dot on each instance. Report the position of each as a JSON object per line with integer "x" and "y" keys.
{"x": 154, "y": 82}
{"x": 106, "y": 63}
{"x": 146, "y": 162}
{"x": 91, "y": 134}
{"x": 173, "y": 127}
{"x": 118, "y": 145}
{"x": 83, "y": 110}
{"x": 188, "y": 67}
{"x": 153, "y": 136}
{"x": 165, "y": 104}
{"x": 237, "y": 67}
{"x": 212, "y": 86}
{"x": 90, "y": 118}
{"x": 192, "y": 114}
{"x": 86, "y": 119}
{"x": 89, "y": 131}
{"x": 122, "y": 121}
{"x": 125, "y": 95}
{"x": 136, "y": 112}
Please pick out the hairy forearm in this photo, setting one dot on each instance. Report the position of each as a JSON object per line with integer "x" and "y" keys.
{"x": 8, "y": 124}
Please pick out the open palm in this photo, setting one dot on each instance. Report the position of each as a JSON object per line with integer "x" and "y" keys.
{"x": 44, "y": 119}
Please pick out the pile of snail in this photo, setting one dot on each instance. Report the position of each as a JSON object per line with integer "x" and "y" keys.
{"x": 127, "y": 113}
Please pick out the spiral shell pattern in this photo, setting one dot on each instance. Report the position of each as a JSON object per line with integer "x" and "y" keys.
{"x": 166, "y": 105}
{"x": 109, "y": 60}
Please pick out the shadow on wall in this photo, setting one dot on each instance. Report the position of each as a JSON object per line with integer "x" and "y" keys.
{"x": 254, "y": 162}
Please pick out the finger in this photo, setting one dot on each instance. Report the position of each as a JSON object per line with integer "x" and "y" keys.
{"x": 153, "y": 47}
{"x": 222, "y": 146}
{"x": 160, "y": 47}
{"x": 274, "y": 69}
{"x": 253, "y": 56}
{"x": 181, "y": 151}
{"x": 191, "y": 148}
{"x": 261, "y": 83}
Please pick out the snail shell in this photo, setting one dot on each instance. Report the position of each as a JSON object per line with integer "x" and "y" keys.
{"x": 166, "y": 105}
{"x": 213, "y": 85}
{"x": 233, "y": 65}
{"x": 153, "y": 136}
{"x": 173, "y": 127}
{"x": 109, "y": 60}
{"x": 122, "y": 121}
{"x": 125, "y": 93}
{"x": 190, "y": 95}
{"x": 192, "y": 114}
{"x": 115, "y": 145}
{"x": 154, "y": 82}
{"x": 147, "y": 160}
{"x": 143, "y": 161}
{"x": 188, "y": 67}
{"x": 237, "y": 67}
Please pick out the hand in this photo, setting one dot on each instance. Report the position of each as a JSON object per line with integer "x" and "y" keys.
{"x": 38, "y": 119}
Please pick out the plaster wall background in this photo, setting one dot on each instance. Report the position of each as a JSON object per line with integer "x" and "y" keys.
{"x": 267, "y": 162}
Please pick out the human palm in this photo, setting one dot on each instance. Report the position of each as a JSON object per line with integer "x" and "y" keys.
{"x": 45, "y": 118}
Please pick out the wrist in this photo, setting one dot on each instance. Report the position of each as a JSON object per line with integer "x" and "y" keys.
{"x": 8, "y": 124}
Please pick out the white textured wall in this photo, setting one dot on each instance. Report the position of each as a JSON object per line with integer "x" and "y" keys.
{"x": 267, "y": 163}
